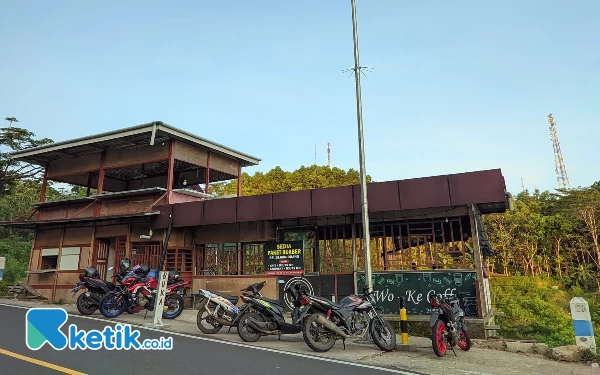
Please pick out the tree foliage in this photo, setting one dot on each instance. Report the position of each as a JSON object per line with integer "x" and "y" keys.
{"x": 551, "y": 235}
{"x": 16, "y": 139}
{"x": 278, "y": 181}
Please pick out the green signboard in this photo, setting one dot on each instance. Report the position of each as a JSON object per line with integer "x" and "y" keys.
{"x": 417, "y": 288}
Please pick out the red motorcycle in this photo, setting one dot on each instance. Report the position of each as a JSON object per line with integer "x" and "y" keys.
{"x": 138, "y": 291}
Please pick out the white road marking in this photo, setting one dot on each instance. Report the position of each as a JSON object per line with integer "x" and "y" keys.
{"x": 330, "y": 360}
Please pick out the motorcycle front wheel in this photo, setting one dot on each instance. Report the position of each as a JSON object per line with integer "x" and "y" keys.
{"x": 383, "y": 334}
{"x": 85, "y": 306}
{"x": 245, "y": 332}
{"x": 438, "y": 338}
{"x": 464, "y": 341}
{"x": 204, "y": 321}
{"x": 113, "y": 305}
{"x": 316, "y": 336}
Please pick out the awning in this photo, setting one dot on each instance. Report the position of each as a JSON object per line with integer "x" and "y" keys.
{"x": 33, "y": 223}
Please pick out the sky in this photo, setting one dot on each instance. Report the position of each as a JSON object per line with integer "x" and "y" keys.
{"x": 452, "y": 86}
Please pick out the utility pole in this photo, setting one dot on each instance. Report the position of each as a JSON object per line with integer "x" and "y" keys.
{"x": 361, "y": 155}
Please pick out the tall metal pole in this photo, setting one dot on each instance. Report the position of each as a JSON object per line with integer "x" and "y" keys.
{"x": 361, "y": 155}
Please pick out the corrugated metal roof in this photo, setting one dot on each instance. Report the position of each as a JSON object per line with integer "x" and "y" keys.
{"x": 127, "y": 137}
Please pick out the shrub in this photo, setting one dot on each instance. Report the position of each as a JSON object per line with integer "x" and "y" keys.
{"x": 535, "y": 311}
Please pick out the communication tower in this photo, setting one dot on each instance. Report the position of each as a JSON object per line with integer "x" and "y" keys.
{"x": 561, "y": 171}
{"x": 329, "y": 155}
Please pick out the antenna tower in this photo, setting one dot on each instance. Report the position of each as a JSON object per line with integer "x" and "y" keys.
{"x": 522, "y": 184}
{"x": 561, "y": 171}
{"x": 329, "y": 155}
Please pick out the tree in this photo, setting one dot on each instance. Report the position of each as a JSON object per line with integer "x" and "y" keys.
{"x": 17, "y": 139}
{"x": 278, "y": 181}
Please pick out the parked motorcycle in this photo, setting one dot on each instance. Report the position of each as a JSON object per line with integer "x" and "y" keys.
{"x": 138, "y": 291}
{"x": 349, "y": 318}
{"x": 448, "y": 325}
{"x": 266, "y": 315}
{"x": 217, "y": 310}
{"x": 88, "y": 302}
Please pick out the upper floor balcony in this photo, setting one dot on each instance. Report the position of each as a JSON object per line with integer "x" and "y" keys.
{"x": 128, "y": 172}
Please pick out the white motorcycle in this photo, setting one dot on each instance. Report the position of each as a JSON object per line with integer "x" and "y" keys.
{"x": 217, "y": 310}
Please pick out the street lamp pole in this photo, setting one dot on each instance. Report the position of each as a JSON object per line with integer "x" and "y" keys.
{"x": 361, "y": 155}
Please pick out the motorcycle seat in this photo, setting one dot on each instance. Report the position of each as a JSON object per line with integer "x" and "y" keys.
{"x": 334, "y": 305}
{"x": 273, "y": 301}
{"x": 232, "y": 299}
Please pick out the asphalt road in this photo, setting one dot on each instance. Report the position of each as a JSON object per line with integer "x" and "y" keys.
{"x": 190, "y": 355}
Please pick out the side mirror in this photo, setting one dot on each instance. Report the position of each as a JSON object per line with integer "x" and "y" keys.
{"x": 281, "y": 281}
{"x": 110, "y": 268}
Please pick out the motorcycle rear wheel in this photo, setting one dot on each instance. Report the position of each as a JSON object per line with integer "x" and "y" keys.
{"x": 438, "y": 338}
{"x": 245, "y": 332}
{"x": 383, "y": 334}
{"x": 85, "y": 306}
{"x": 203, "y": 317}
{"x": 314, "y": 333}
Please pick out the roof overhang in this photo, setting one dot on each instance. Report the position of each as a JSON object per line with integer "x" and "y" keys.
{"x": 155, "y": 131}
{"x": 35, "y": 223}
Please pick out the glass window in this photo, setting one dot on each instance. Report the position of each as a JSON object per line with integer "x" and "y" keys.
{"x": 69, "y": 258}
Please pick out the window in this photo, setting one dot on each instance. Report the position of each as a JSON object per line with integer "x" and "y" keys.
{"x": 180, "y": 260}
{"x": 69, "y": 258}
{"x": 49, "y": 259}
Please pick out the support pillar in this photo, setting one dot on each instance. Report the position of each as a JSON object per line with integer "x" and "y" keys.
{"x": 100, "y": 183}
{"x": 171, "y": 167}
{"x": 354, "y": 255}
{"x": 239, "y": 180}
{"x": 44, "y": 185}
{"x": 89, "y": 184}
{"x": 43, "y": 191}
{"x": 483, "y": 286}
{"x": 207, "y": 174}
{"x": 101, "y": 174}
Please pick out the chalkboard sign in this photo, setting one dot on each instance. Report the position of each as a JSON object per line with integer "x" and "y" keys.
{"x": 284, "y": 258}
{"x": 418, "y": 287}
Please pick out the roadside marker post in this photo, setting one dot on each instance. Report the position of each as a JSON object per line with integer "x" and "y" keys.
{"x": 404, "y": 346}
{"x": 403, "y": 323}
{"x": 582, "y": 324}
{"x": 159, "y": 302}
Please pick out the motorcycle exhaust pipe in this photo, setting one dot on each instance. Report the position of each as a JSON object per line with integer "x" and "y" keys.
{"x": 331, "y": 326}
{"x": 94, "y": 298}
{"x": 223, "y": 322}
{"x": 256, "y": 327}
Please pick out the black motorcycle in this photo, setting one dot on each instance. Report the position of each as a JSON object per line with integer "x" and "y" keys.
{"x": 265, "y": 316}
{"x": 88, "y": 302}
{"x": 448, "y": 325}
{"x": 350, "y": 318}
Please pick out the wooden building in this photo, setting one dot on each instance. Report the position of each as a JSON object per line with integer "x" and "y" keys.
{"x": 128, "y": 173}
{"x": 426, "y": 233}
